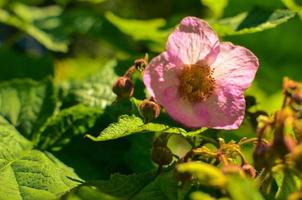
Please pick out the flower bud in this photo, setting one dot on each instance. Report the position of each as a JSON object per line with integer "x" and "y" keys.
{"x": 162, "y": 155}
{"x": 261, "y": 156}
{"x": 140, "y": 64}
{"x": 149, "y": 110}
{"x": 123, "y": 87}
{"x": 297, "y": 97}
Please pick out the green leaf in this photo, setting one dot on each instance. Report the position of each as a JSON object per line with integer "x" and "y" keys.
{"x": 134, "y": 187}
{"x": 239, "y": 187}
{"x": 216, "y": 6}
{"x": 164, "y": 187}
{"x": 31, "y": 14}
{"x": 198, "y": 195}
{"x": 24, "y": 21}
{"x": 27, "y": 104}
{"x": 19, "y": 65}
{"x": 141, "y": 30}
{"x": 87, "y": 193}
{"x": 287, "y": 183}
{"x": 206, "y": 174}
{"x": 66, "y": 124}
{"x": 291, "y": 4}
{"x": 118, "y": 187}
{"x": 94, "y": 91}
{"x": 29, "y": 174}
{"x": 256, "y": 20}
{"x": 128, "y": 125}
{"x": 138, "y": 158}
{"x": 124, "y": 186}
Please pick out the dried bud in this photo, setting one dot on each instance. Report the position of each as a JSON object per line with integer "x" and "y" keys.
{"x": 162, "y": 155}
{"x": 123, "y": 87}
{"x": 296, "y": 156}
{"x": 297, "y": 97}
{"x": 149, "y": 110}
{"x": 290, "y": 84}
{"x": 249, "y": 170}
{"x": 262, "y": 156}
{"x": 283, "y": 145}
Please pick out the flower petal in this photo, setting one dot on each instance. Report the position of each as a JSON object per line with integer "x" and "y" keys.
{"x": 235, "y": 65}
{"x": 179, "y": 109}
{"x": 192, "y": 41}
{"x": 223, "y": 110}
{"x": 159, "y": 75}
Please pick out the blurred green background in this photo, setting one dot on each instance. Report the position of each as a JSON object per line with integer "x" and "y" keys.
{"x": 71, "y": 39}
{"x": 86, "y": 44}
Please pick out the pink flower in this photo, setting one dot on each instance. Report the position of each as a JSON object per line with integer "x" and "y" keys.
{"x": 200, "y": 81}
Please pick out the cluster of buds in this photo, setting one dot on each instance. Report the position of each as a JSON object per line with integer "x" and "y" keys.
{"x": 123, "y": 86}
{"x": 227, "y": 156}
{"x": 284, "y": 126}
{"x": 279, "y": 142}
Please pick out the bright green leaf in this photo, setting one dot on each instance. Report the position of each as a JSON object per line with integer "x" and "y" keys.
{"x": 216, "y": 6}
{"x": 291, "y": 4}
{"x": 128, "y": 125}
{"x": 66, "y": 124}
{"x": 27, "y": 104}
{"x": 251, "y": 22}
{"x": 239, "y": 187}
{"x": 141, "y": 30}
{"x": 87, "y": 193}
{"x": 28, "y": 174}
{"x": 31, "y": 14}
{"x": 94, "y": 91}
{"x": 24, "y": 23}
{"x": 200, "y": 196}
{"x": 287, "y": 183}
{"x": 134, "y": 187}
{"x": 164, "y": 187}
{"x": 206, "y": 174}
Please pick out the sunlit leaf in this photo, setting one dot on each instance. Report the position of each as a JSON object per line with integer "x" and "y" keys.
{"x": 250, "y": 22}
{"x": 134, "y": 187}
{"x": 205, "y": 173}
{"x": 128, "y": 125}
{"x": 287, "y": 182}
{"x": 28, "y": 174}
{"x": 200, "y": 196}
{"x": 141, "y": 30}
{"x": 94, "y": 91}
{"x": 239, "y": 187}
{"x": 66, "y": 124}
{"x": 291, "y": 4}
{"x": 216, "y": 6}
{"x": 23, "y": 21}
{"x": 27, "y": 104}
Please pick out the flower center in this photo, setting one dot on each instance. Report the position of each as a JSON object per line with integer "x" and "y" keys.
{"x": 196, "y": 83}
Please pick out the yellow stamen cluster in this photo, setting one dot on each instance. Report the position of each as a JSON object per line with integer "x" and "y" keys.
{"x": 196, "y": 83}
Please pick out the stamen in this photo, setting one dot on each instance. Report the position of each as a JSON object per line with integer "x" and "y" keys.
{"x": 196, "y": 83}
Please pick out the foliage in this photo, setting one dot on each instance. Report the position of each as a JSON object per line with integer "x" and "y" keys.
{"x": 65, "y": 135}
